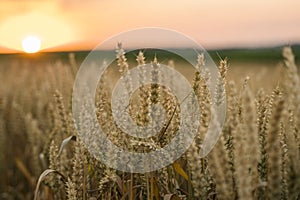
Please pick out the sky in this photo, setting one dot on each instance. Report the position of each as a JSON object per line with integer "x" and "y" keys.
{"x": 68, "y": 25}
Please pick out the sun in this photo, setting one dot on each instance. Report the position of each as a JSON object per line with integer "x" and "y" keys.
{"x": 31, "y": 44}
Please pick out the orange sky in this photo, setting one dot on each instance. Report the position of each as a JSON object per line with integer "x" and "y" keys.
{"x": 78, "y": 25}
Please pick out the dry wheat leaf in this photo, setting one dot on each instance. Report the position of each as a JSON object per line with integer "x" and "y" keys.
{"x": 65, "y": 142}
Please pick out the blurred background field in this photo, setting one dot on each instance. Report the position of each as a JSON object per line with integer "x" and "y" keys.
{"x": 260, "y": 64}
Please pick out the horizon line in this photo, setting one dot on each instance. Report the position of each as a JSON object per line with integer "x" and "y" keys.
{"x": 8, "y": 51}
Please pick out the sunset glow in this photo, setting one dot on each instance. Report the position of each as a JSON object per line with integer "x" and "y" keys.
{"x": 77, "y": 25}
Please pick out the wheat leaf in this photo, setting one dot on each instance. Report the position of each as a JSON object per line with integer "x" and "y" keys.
{"x": 179, "y": 170}
{"x": 65, "y": 142}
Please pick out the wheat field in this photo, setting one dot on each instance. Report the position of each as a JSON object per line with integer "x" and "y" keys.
{"x": 257, "y": 156}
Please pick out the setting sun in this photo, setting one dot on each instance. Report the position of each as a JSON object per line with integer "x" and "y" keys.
{"x": 31, "y": 44}
{"x": 51, "y": 29}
